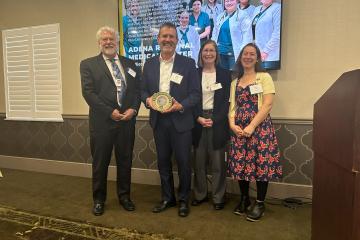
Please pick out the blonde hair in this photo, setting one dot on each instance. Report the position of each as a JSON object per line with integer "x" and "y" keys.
{"x": 107, "y": 29}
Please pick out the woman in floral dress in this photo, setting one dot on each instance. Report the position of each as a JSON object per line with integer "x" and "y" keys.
{"x": 253, "y": 151}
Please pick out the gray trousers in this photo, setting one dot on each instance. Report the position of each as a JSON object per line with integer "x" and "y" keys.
{"x": 204, "y": 154}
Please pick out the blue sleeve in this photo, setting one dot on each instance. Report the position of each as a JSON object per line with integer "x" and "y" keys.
{"x": 206, "y": 19}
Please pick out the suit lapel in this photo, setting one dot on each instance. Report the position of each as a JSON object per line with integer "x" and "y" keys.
{"x": 104, "y": 67}
{"x": 125, "y": 68}
{"x": 217, "y": 94}
{"x": 201, "y": 92}
{"x": 176, "y": 69}
{"x": 157, "y": 73}
{"x": 176, "y": 65}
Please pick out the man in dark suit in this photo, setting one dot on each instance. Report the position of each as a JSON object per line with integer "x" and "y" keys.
{"x": 110, "y": 85}
{"x": 176, "y": 75}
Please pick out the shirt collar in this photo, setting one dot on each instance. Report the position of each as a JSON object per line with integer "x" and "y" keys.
{"x": 167, "y": 61}
{"x": 106, "y": 58}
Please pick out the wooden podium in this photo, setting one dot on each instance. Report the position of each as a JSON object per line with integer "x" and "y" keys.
{"x": 336, "y": 144}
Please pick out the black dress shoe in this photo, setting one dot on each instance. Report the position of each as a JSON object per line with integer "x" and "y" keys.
{"x": 198, "y": 202}
{"x": 127, "y": 204}
{"x": 183, "y": 209}
{"x": 98, "y": 208}
{"x": 219, "y": 206}
{"x": 256, "y": 212}
{"x": 163, "y": 205}
{"x": 243, "y": 206}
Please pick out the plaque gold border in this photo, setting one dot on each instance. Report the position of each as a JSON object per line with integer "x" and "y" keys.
{"x": 161, "y": 107}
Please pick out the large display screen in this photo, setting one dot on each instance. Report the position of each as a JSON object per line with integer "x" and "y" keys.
{"x": 230, "y": 23}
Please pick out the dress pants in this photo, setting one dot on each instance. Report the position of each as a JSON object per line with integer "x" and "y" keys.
{"x": 121, "y": 138}
{"x": 204, "y": 154}
{"x": 169, "y": 141}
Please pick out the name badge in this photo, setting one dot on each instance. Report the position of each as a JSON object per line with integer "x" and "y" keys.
{"x": 176, "y": 78}
{"x": 255, "y": 89}
{"x": 215, "y": 86}
{"x": 131, "y": 72}
{"x": 118, "y": 83}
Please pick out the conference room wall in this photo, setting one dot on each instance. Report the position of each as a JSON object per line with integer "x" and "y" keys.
{"x": 319, "y": 42}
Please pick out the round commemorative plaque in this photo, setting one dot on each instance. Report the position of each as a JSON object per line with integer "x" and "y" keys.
{"x": 162, "y": 101}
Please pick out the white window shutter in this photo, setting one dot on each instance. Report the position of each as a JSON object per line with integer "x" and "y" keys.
{"x": 33, "y": 73}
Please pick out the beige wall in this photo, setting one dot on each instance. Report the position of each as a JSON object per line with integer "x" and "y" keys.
{"x": 320, "y": 41}
{"x": 79, "y": 20}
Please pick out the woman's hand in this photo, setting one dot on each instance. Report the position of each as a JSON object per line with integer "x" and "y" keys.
{"x": 264, "y": 56}
{"x": 249, "y": 130}
{"x": 205, "y": 122}
{"x": 237, "y": 130}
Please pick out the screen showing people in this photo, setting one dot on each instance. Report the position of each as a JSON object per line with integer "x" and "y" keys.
{"x": 230, "y": 23}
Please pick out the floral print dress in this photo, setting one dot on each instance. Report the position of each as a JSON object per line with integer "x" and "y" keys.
{"x": 254, "y": 158}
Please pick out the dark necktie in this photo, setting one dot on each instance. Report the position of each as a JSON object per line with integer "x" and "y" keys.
{"x": 120, "y": 82}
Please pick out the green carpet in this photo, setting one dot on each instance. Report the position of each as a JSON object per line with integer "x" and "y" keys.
{"x": 70, "y": 198}
{"x": 17, "y": 224}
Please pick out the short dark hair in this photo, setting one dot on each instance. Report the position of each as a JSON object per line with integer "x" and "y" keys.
{"x": 258, "y": 66}
{"x": 192, "y": 2}
{"x": 168, "y": 25}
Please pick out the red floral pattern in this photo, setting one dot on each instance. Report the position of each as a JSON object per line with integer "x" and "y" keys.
{"x": 255, "y": 158}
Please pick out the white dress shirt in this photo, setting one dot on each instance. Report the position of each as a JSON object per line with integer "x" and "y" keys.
{"x": 117, "y": 61}
{"x": 208, "y": 80}
{"x": 166, "y": 67}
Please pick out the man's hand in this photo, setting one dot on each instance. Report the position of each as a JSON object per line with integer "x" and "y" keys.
{"x": 128, "y": 114}
{"x": 116, "y": 115}
{"x": 149, "y": 103}
{"x": 175, "y": 107}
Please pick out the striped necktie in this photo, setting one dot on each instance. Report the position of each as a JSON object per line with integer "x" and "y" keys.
{"x": 120, "y": 81}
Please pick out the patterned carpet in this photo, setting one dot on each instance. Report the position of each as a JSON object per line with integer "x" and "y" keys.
{"x": 30, "y": 226}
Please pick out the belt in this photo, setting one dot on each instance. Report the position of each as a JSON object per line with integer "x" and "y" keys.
{"x": 208, "y": 111}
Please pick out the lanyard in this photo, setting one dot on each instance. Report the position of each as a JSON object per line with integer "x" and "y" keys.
{"x": 183, "y": 34}
{"x": 258, "y": 16}
{"x": 256, "y": 19}
{"x": 211, "y": 9}
{"x": 225, "y": 17}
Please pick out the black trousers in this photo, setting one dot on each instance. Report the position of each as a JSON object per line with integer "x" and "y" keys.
{"x": 121, "y": 138}
{"x": 169, "y": 141}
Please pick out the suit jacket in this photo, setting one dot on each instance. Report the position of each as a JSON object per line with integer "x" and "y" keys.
{"x": 99, "y": 91}
{"x": 187, "y": 93}
{"x": 220, "y": 110}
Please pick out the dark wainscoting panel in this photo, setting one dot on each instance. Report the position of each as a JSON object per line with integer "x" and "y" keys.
{"x": 69, "y": 141}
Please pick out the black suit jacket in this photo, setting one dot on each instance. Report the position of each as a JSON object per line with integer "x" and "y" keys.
{"x": 220, "y": 110}
{"x": 99, "y": 91}
{"x": 187, "y": 93}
